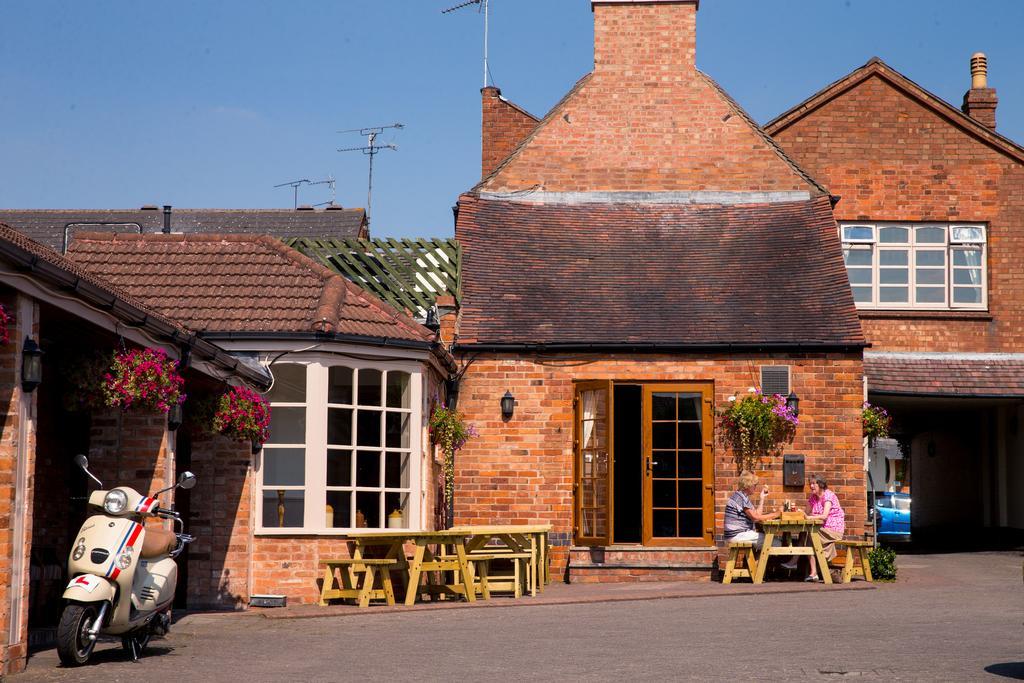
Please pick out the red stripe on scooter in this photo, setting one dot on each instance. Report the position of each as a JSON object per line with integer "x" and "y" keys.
{"x": 134, "y": 536}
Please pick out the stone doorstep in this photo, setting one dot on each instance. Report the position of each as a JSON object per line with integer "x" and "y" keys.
{"x": 565, "y": 594}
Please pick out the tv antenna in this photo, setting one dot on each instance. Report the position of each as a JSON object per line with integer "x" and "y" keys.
{"x": 371, "y": 150}
{"x": 482, "y": 8}
{"x": 296, "y": 184}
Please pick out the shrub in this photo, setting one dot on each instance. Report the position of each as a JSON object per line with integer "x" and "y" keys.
{"x": 883, "y": 564}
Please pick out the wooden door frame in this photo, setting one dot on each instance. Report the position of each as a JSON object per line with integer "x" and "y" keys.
{"x": 580, "y": 386}
{"x": 707, "y": 390}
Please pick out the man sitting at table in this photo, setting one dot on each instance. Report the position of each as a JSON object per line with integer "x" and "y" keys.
{"x": 740, "y": 513}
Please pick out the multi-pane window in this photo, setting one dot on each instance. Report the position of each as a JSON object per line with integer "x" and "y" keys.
{"x": 915, "y": 265}
{"x": 342, "y": 452}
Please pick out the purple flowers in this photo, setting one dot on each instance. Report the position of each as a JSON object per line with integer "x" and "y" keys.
{"x": 143, "y": 378}
{"x": 244, "y": 415}
{"x": 876, "y": 422}
{"x": 5, "y": 321}
{"x": 756, "y": 426}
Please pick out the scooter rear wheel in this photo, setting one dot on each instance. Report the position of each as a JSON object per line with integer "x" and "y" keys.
{"x": 74, "y": 647}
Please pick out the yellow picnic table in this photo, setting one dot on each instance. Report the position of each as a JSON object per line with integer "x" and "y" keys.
{"x": 530, "y": 538}
{"x": 789, "y": 531}
{"x": 423, "y": 559}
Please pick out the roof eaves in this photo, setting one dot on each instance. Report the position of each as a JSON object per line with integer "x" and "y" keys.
{"x": 741, "y": 112}
{"x": 877, "y": 67}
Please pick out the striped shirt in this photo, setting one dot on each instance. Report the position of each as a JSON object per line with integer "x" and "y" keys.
{"x": 736, "y": 520}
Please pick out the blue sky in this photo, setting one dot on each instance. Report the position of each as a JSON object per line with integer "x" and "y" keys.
{"x": 208, "y": 103}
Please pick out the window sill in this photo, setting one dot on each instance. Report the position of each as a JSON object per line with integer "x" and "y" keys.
{"x": 874, "y": 314}
{"x": 312, "y": 533}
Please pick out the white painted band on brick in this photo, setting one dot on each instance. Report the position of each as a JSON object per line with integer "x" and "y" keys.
{"x": 688, "y": 197}
{"x": 943, "y": 356}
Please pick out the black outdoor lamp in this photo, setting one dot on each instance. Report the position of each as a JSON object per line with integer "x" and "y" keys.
{"x": 508, "y": 405}
{"x": 793, "y": 403}
{"x": 174, "y": 416}
{"x": 31, "y": 365}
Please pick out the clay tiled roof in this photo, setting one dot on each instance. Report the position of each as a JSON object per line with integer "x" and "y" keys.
{"x": 945, "y": 374}
{"x": 46, "y": 264}
{"x": 239, "y": 283}
{"x": 47, "y": 225}
{"x": 688, "y": 276}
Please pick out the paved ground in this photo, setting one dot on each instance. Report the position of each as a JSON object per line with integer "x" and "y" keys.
{"x": 950, "y": 617}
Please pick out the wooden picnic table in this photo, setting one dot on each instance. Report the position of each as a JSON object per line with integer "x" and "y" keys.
{"x": 789, "y": 531}
{"x": 531, "y": 538}
{"x": 423, "y": 559}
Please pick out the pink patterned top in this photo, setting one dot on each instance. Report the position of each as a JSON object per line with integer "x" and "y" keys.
{"x": 836, "y": 520}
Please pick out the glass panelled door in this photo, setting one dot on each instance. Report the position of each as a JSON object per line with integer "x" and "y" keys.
{"x": 593, "y": 463}
{"x": 678, "y": 465}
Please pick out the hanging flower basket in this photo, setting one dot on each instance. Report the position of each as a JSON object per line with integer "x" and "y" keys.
{"x": 5, "y": 323}
{"x": 876, "y": 422}
{"x": 449, "y": 430}
{"x": 244, "y": 415}
{"x": 145, "y": 379}
{"x": 756, "y": 426}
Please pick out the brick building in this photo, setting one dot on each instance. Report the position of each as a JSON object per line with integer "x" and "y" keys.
{"x": 931, "y": 220}
{"x": 72, "y": 314}
{"x": 638, "y": 255}
{"x": 353, "y": 379}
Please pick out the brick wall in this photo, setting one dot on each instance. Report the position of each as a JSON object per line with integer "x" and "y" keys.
{"x": 891, "y": 158}
{"x": 646, "y": 120}
{"x": 504, "y": 126}
{"x": 220, "y": 518}
{"x": 14, "y": 652}
{"x": 521, "y": 471}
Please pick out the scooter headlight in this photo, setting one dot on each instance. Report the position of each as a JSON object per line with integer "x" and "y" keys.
{"x": 124, "y": 560}
{"x": 79, "y": 550}
{"x": 115, "y": 502}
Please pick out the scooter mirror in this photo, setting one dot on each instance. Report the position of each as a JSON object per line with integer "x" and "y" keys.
{"x": 82, "y": 461}
{"x": 187, "y": 480}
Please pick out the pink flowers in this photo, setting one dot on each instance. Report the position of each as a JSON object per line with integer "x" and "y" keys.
{"x": 5, "y": 322}
{"x": 757, "y": 426}
{"x": 143, "y": 378}
{"x": 244, "y": 415}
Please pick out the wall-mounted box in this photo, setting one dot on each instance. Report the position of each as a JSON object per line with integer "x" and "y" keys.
{"x": 793, "y": 469}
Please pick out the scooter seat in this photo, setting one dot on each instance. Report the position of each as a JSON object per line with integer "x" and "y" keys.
{"x": 158, "y": 542}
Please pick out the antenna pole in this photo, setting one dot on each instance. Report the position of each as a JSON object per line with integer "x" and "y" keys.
{"x": 486, "y": 31}
{"x": 371, "y": 150}
{"x": 372, "y": 137}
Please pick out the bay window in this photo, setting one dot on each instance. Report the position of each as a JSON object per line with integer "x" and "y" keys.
{"x": 343, "y": 451}
{"x": 915, "y": 266}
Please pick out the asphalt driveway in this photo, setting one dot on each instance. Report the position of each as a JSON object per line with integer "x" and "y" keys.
{"x": 949, "y": 617}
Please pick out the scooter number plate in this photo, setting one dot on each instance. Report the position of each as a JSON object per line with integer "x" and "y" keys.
{"x": 86, "y": 582}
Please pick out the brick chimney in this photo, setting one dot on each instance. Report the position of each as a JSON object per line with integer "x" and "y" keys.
{"x": 504, "y": 126}
{"x": 645, "y": 39}
{"x": 980, "y": 101}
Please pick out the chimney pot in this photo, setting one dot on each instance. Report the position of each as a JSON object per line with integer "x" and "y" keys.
{"x": 167, "y": 219}
{"x": 980, "y": 101}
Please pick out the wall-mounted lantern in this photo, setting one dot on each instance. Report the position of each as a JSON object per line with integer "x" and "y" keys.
{"x": 31, "y": 365}
{"x": 793, "y": 403}
{"x": 174, "y": 417}
{"x": 508, "y": 405}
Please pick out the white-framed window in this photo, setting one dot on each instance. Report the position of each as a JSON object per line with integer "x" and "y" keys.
{"x": 344, "y": 447}
{"x": 936, "y": 266}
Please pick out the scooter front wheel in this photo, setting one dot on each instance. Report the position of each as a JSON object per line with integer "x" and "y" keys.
{"x": 74, "y": 646}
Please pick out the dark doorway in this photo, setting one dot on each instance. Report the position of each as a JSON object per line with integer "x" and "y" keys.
{"x": 182, "y": 463}
{"x": 628, "y": 482}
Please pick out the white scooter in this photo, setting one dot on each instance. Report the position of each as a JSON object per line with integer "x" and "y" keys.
{"x": 123, "y": 575}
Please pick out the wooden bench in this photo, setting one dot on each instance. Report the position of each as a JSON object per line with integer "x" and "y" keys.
{"x": 480, "y": 566}
{"x": 358, "y": 578}
{"x": 857, "y": 563}
{"x": 734, "y": 569}
{"x": 516, "y": 579}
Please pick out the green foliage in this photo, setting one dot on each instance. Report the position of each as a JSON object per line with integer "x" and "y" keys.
{"x": 449, "y": 430}
{"x": 756, "y": 426}
{"x": 876, "y": 422}
{"x": 883, "y": 564}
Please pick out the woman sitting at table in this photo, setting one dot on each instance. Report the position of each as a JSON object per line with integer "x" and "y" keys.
{"x": 740, "y": 513}
{"x": 823, "y": 505}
